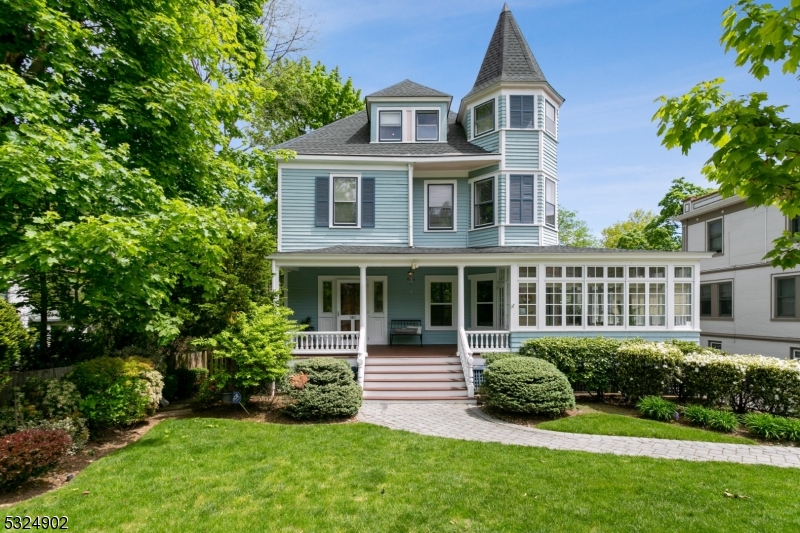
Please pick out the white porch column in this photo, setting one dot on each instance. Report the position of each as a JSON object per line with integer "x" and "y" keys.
{"x": 411, "y": 205}
{"x": 363, "y": 301}
{"x": 276, "y": 280}
{"x": 461, "y": 296}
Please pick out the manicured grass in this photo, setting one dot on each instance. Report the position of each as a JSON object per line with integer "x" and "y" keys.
{"x": 222, "y": 475}
{"x": 628, "y": 426}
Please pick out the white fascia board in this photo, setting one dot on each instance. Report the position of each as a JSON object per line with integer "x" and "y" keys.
{"x": 733, "y": 200}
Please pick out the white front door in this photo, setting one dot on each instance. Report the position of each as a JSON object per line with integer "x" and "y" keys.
{"x": 348, "y": 307}
{"x": 376, "y": 310}
{"x": 349, "y": 316}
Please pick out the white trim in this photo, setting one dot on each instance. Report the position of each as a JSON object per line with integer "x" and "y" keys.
{"x": 474, "y": 279}
{"x": 455, "y": 303}
{"x": 425, "y": 184}
{"x": 508, "y": 197}
{"x": 331, "y": 178}
{"x": 555, "y": 193}
{"x": 411, "y": 205}
{"x": 280, "y": 211}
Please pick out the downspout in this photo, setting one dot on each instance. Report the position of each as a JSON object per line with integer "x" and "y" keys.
{"x": 411, "y": 205}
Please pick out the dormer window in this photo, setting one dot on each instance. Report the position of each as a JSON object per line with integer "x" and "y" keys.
{"x": 550, "y": 118}
{"x": 484, "y": 118}
{"x": 521, "y": 111}
{"x": 427, "y": 125}
{"x": 390, "y": 126}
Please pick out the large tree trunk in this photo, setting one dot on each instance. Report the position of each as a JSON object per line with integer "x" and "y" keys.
{"x": 43, "y": 315}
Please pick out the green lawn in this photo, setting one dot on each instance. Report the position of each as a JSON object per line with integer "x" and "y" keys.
{"x": 229, "y": 476}
{"x": 627, "y": 426}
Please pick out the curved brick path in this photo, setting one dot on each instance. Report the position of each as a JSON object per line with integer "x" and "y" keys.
{"x": 468, "y": 422}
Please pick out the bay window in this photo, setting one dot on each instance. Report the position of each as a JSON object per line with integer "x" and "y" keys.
{"x": 484, "y": 118}
{"x": 483, "y": 203}
{"x": 683, "y": 304}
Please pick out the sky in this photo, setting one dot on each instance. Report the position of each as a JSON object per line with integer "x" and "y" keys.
{"x": 610, "y": 60}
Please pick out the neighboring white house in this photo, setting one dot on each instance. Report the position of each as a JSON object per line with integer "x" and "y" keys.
{"x": 746, "y": 305}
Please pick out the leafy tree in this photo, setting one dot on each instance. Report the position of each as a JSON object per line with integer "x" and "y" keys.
{"x": 13, "y": 338}
{"x": 757, "y": 148}
{"x": 636, "y": 222}
{"x": 574, "y": 232}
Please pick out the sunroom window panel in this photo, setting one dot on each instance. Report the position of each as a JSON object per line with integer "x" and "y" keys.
{"x": 427, "y": 125}
{"x": 616, "y": 304}
{"x": 636, "y": 304}
{"x": 616, "y": 272}
{"x": 595, "y": 303}
{"x": 574, "y": 304}
{"x": 527, "y": 304}
{"x": 683, "y": 304}
{"x": 658, "y": 304}
{"x": 683, "y": 272}
{"x": 554, "y": 304}
{"x": 345, "y": 200}
{"x": 390, "y": 126}
{"x": 595, "y": 272}
{"x": 440, "y": 206}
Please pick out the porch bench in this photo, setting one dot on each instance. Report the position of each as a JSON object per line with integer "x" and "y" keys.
{"x": 405, "y": 327}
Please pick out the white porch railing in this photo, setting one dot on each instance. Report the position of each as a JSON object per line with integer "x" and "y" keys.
{"x": 465, "y": 355}
{"x": 489, "y": 341}
{"x": 327, "y": 342}
{"x": 362, "y": 355}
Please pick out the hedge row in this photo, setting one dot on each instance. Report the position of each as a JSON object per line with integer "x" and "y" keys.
{"x": 708, "y": 377}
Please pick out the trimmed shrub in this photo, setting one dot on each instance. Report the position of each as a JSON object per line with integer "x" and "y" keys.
{"x": 687, "y": 347}
{"x": 30, "y": 452}
{"x": 587, "y": 362}
{"x": 527, "y": 385}
{"x": 773, "y": 427}
{"x": 491, "y": 357}
{"x": 656, "y": 408}
{"x": 323, "y": 388}
{"x": 711, "y": 378}
{"x": 711, "y": 418}
{"x": 117, "y": 392}
{"x": 646, "y": 368}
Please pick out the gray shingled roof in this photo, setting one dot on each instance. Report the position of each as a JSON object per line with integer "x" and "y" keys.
{"x": 508, "y": 58}
{"x": 408, "y": 88}
{"x": 351, "y": 136}
{"x": 356, "y": 250}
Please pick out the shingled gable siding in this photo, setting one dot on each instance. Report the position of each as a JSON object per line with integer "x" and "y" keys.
{"x": 434, "y": 239}
{"x": 489, "y": 142}
{"x": 299, "y": 231}
{"x": 522, "y": 149}
{"x": 549, "y": 154}
{"x": 522, "y": 235}
{"x": 375, "y": 107}
{"x": 484, "y": 237}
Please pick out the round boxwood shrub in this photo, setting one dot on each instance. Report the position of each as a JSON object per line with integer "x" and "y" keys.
{"x": 323, "y": 388}
{"x": 527, "y": 385}
{"x": 492, "y": 357}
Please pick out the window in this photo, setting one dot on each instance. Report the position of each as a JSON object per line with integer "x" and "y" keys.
{"x": 574, "y": 304}
{"x": 636, "y": 304}
{"x": 616, "y": 272}
{"x": 550, "y": 203}
{"x": 553, "y": 304}
{"x": 521, "y": 111}
{"x": 550, "y": 118}
{"x": 521, "y": 199}
{"x": 377, "y": 297}
{"x": 484, "y": 302}
{"x": 327, "y": 297}
{"x": 440, "y": 206}
{"x": 441, "y": 302}
{"x": 635, "y": 272}
{"x": 658, "y": 304}
{"x": 574, "y": 272}
{"x": 594, "y": 272}
{"x": 794, "y": 225}
{"x": 390, "y": 126}
{"x": 786, "y": 297}
{"x": 717, "y": 345}
{"x": 658, "y": 272}
{"x": 345, "y": 201}
{"x": 594, "y": 304}
{"x": 616, "y": 302}
{"x": 553, "y": 272}
{"x": 484, "y": 118}
{"x": 683, "y": 304}
{"x": 427, "y": 125}
{"x": 725, "y": 299}
{"x": 714, "y": 229}
{"x": 683, "y": 272}
{"x": 527, "y": 272}
{"x": 794, "y": 353}
{"x": 484, "y": 202}
{"x": 527, "y": 304}
{"x": 706, "y": 300}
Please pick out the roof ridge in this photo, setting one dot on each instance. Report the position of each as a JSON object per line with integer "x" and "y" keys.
{"x": 408, "y": 88}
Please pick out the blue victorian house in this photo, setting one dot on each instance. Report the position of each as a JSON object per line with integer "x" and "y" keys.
{"x": 415, "y": 237}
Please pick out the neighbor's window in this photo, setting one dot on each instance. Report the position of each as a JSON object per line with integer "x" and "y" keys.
{"x": 390, "y": 126}
{"x": 715, "y": 236}
{"x": 441, "y": 308}
{"x": 550, "y": 203}
{"x": 706, "y": 299}
{"x": 440, "y": 206}
{"x": 521, "y": 112}
{"x": 794, "y": 225}
{"x": 427, "y": 125}
{"x": 717, "y": 345}
{"x": 484, "y": 202}
{"x": 594, "y": 304}
{"x": 636, "y": 304}
{"x": 345, "y": 201}
{"x": 484, "y": 117}
{"x": 725, "y": 299}
{"x": 550, "y": 118}
{"x": 616, "y": 303}
{"x": 527, "y": 303}
{"x": 683, "y": 304}
{"x": 786, "y": 297}
{"x": 716, "y": 300}
{"x": 553, "y": 304}
{"x": 658, "y": 304}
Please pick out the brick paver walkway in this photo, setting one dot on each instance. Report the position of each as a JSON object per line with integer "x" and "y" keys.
{"x": 468, "y": 422}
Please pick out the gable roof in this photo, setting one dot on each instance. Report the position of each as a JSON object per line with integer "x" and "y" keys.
{"x": 408, "y": 89}
{"x": 351, "y": 136}
{"x": 508, "y": 57}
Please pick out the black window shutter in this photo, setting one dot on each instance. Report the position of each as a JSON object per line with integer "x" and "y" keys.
{"x": 367, "y": 202}
{"x": 516, "y": 111}
{"x": 321, "y": 202}
{"x": 527, "y": 199}
{"x": 516, "y": 200}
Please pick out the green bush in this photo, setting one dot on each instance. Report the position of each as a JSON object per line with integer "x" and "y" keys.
{"x": 656, "y": 408}
{"x": 210, "y": 388}
{"x": 588, "y": 362}
{"x": 323, "y": 388}
{"x": 491, "y": 357}
{"x": 711, "y": 378}
{"x": 687, "y": 347}
{"x": 711, "y": 418}
{"x": 527, "y": 385}
{"x": 646, "y": 368}
{"x": 773, "y": 427}
{"x": 13, "y": 339}
{"x": 117, "y": 392}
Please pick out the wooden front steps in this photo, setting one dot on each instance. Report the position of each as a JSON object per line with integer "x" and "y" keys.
{"x": 424, "y": 377}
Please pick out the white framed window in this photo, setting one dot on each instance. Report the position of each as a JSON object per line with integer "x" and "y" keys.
{"x": 344, "y": 201}
{"x": 441, "y": 302}
{"x": 527, "y": 272}
{"x": 390, "y": 126}
{"x": 635, "y": 272}
{"x": 553, "y": 304}
{"x": 637, "y": 300}
{"x": 441, "y": 205}
{"x": 483, "y": 203}
{"x": 484, "y": 118}
{"x": 550, "y": 202}
{"x": 554, "y": 272}
{"x": 595, "y": 304}
{"x": 574, "y": 272}
{"x": 616, "y": 272}
{"x": 794, "y": 352}
{"x": 683, "y": 272}
{"x": 657, "y": 272}
{"x": 550, "y": 118}
{"x": 521, "y": 111}
{"x": 595, "y": 272}
{"x": 521, "y": 199}
{"x": 657, "y": 307}
{"x": 683, "y": 304}
{"x": 714, "y": 236}
{"x": 615, "y": 298}
{"x": 527, "y": 303}
{"x": 573, "y": 301}
{"x": 427, "y": 126}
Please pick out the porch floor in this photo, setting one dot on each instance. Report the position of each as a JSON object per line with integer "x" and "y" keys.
{"x": 410, "y": 350}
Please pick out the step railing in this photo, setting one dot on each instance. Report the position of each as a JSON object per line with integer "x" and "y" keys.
{"x": 326, "y": 342}
{"x": 489, "y": 341}
{"x": 465, "y": 355}
{"x": 362, "y": 355}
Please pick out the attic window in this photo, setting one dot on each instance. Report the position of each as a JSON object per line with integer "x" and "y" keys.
{"x": 427, "y": 125}
{"x": 550, "y": 118}
{"x": 484, "y": 117}
{"x": 390, "y": 126}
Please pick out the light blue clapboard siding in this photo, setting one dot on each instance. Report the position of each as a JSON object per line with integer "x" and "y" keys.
{"x": 518, "y": 337}
{"x": 540, "y": 199}
{"x": 405, "y": 301}
{"x": 501, "y": 110}
{"x": 549, "y": 236}
{"x": 454, "y": 239}
{"x": 484, "y": 171}
{"x": 376, "y": 107}
{"x": 489, "y": 141}
{"x": 522, "y": 149}
{"x": 297, "y": 213}
{"x": 522, "y": 235}
{"x": 483, "y": 237}
{"x": 540, "y": 112}
{"x": 549, "y": 154}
